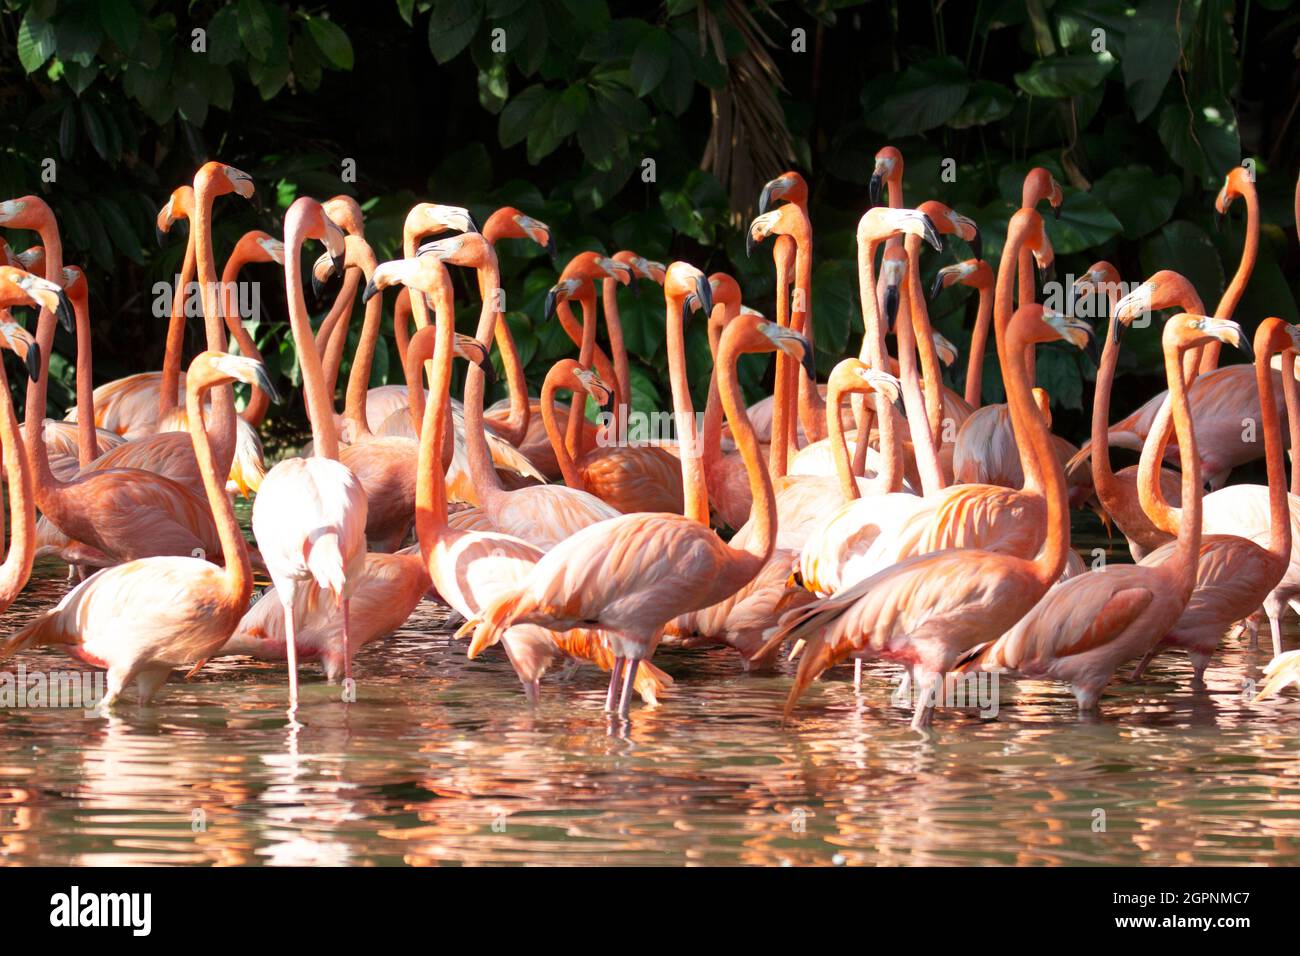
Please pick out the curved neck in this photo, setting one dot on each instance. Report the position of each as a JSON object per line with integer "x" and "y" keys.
{"x": 258, "y": 401}
{"x": 978, "y": 344}
{"x": 1002, "y": 308}
{"x": 1279, "y": 509}
{"x": 930, "y": 369}
{"x": 1291, "y": 394}
{"x": 1237, "y": 287}
{"x": 568, "y": 469}
{"x": 812, "y": 408}
{"x": 839, "y": 448}
{"x": 1031, "y": 433}
{"x": 34, "y": 406}
{"x": 87, "y": 441}
{"x": 762, "y": 541}
{"x": 918, "y": 422}
{"x": 431, "y": 471}
{"x": 332, "y": 337}
{"x": 1187, "y": 522}
{"x": 711, "y": 428}
{"x": 694, "y": 486}
{"x": 890, "y": 476}
{"x": 320, "y": 410}
{"x": 17, "y": 566}
{"x": 171, "y": 369}
{"x": 481, "y": 469}
{"x": 354, "y": 405}
{"x": 783, "y": 429}
{"x": 214, "y": 323}
{"x": 514, "y": 428}
{"x": 1025, "y": 279}
{"x": 238, "y": 574}
{"x": 1108, "y": 489}
{"x": 621, "y": 387}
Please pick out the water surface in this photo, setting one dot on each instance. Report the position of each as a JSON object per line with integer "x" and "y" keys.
{"x": 441, "y": 762}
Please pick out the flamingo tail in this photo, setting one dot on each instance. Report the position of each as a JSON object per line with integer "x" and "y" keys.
{"x": 325, "y": 561}
{"x": 1282, "y": 670}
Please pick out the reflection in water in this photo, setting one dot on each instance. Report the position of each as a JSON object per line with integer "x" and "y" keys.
{"x": 440, "y": 761}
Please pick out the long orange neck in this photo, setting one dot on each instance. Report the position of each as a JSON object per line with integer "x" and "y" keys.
{"x": 1279, "y": 509}
{"x": 34, "y": 407}
{"x": 332, "y": 338}
{"x": 621, "y": 387}
{"x": 694, "y": 486}
{"x": 763, "y": 514}
{"x": 1032, "y": 435}
{"x": 482, "y": 471}
{"x": 1021, "y": 225}
{"x": 431, "y": 473}
{"x": 320, "y": 409}
{"x": 1237, "y": 287}
{"x": 17, "y": 566}
{"x": 1150, "y": 494}
{"x": 354, "y": 406}
{"x": 890, "y": 476}
{"x": 258, "y": 401}
{"x": 978, "y": 344}
{"x": 1108, "y": 489}
{"x": 1291, "y": 394}
{"x": 711, "y": 428}
{"x": 87, "y": 440}
{"x": 812, "y": 407}
{"x": 214, "y": 323}
{"x": 907, "y": 332}
{"x": 839, "y": 447}
{"x": 1025, "y": 279}
{"x": 568, "y": 469}
{"x": 171, "y": 369}
{"x": 930, "y": 369}
{"x": 783, "y": 395}
{"x": 238, "y": 574}
{"x": 589, "y": 354}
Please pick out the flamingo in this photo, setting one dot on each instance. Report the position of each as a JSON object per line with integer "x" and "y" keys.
{"x": 1235, "y": 574}
{"x": 926, "y": 611}
{"x": 542, "y": 515}
{"x": 1086, "y": 627}
{"x": 309, "y": 517}
{"x": 17, "y": 565}
{"x": 1221, "y": 397}
{"x": 1118, "y": 491}
{"x": 142, "y": 618}
{"x": 468, "y": 568}
{"x": 633, "y": 574}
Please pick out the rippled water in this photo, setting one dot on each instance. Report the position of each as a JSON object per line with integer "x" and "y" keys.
{"x": 441, "y": 761}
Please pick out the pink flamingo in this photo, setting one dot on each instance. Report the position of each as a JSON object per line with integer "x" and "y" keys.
{"x": 141, "y": 619}
{"x": 633, "y": 574}
{"x": 310, "y": 515}
{"x": 1085, "y": 628}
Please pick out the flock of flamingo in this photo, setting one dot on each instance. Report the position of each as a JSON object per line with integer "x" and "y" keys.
{"x": 880, "y": 516}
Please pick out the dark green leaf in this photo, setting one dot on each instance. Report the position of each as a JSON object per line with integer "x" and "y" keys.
{"x": 1203, "y": 140}
{"x": 1140, "y": 199}
{"x": 255, "y": 28}
{"x": 650, "y": 61}
{"x": 1058, "y": 77}
{"x": 121, "y": 22}
{"x": 35, "y": 42}
{"x": 1184, "y": 247}
{"x": 1150, "y": 53}
{"x": 1085, "y": 222}
{"x": 925, "y": 95}
{"x": 452, "y": 26}
{"x": 986, "y": 103}
{"x": 331, "y": 40}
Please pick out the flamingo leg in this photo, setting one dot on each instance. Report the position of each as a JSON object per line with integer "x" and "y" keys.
{"x": 532, "y": 690}
{"x": 629, "y": 677}
{"x": 615, "y": 673}
{"x": 1275, "y": 628}
{"x": 927, "y": 692}
{"x": 1142, "y": 664}
{"x": 347, "y": 641}
{"x": 291, "y": 655}
{"x": 857, "y": 674}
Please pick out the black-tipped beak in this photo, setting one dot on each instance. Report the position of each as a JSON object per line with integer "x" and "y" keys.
{"x": 750, "y": 242}
{"x": 265, "y": 384}
{"x": 316, "y": 285}
{"x": 704, "y": 292}
{"x": 932, "y": 234}
{"x": 1218, "y": 221}
{"x": 337, "y": 262}
{"x": 64, "y": 313}
{"x": 937, "y": 285}
{"x": 552, "y": 299}
{"x": 34, "y": 361}
{"x": 160, "y": 236}
{"x": 764, "y": 198}
{"x": 550, "y": 245}
{"x": 1056, "y": 213}
{"x": 807, "y": 361}
{"x": 873, "y": 188}
{"x": 473, "y": 226}
{"x": 1116, "y": 329}
{"x": 257, "y": 203}
{"x": 977, "y": 245}
{"x": 891, "y": 307}
{"x": 370, "y": 292}
{"x": 1047, "y": 273}
{"x": 1243, "y": 343}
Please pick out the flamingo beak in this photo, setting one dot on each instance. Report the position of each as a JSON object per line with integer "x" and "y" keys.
{"x": 1047, "y": 273}
{"x": 33, "y": 361}
{"x": 263, "y": 381}
{"x": 64, "y": 312}
{"x": 550, "y": 244}
{"x": 1056, "y": 213}
{"x": 932, "y": 234}
{"x": 873, "y": 188}
{"x": 977, "y": 245}
{"x": 704, "y": 293}
{"x": 891, "y": 307}
{"x": 552, "y": 299}
{"x": 798, "y": 348}
{"x": 750, "y": 242}
{"x": 937, "y": 285}
{"x": 160, "y": 236}
{"x": 370, "y": 292}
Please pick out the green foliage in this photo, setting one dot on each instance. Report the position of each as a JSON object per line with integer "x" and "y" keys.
{"x": 594, "y": 116}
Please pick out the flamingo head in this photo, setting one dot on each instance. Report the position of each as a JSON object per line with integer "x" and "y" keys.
{"x": 888, "y": 169}
{"x": 883, "y": 222}
{"x": 589, "y": 382}
{"x": 431, "y": 219}
{"x": 1237, "y": 183}
{"x": 467, "y": 249}
{"x": 425, "y": 274}
{"x": 946, "y": 351}
{"x": 472, "y": 350}
{"x": 179, "y": 206}
{"x": 893, "y": 269}
{"x": 969, "y": 272}
{"x": 854, "y": 375}
{"x": 22, "y": 288}
{"x": 789, "y": 186}
{"x": 28, "y": 212}
{"x": 1041, "y": 185}
{"x": 949, "y": 222}
{"x": 1057, "y": 325}
{"x": 681, "y": 279}
{"x": 32, "y": 259}
{"x": 1187, "y": 330}
{"x": 19, "y": 341}
{"x": 217, "y": 368}
{"x": 346, "y": 214}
